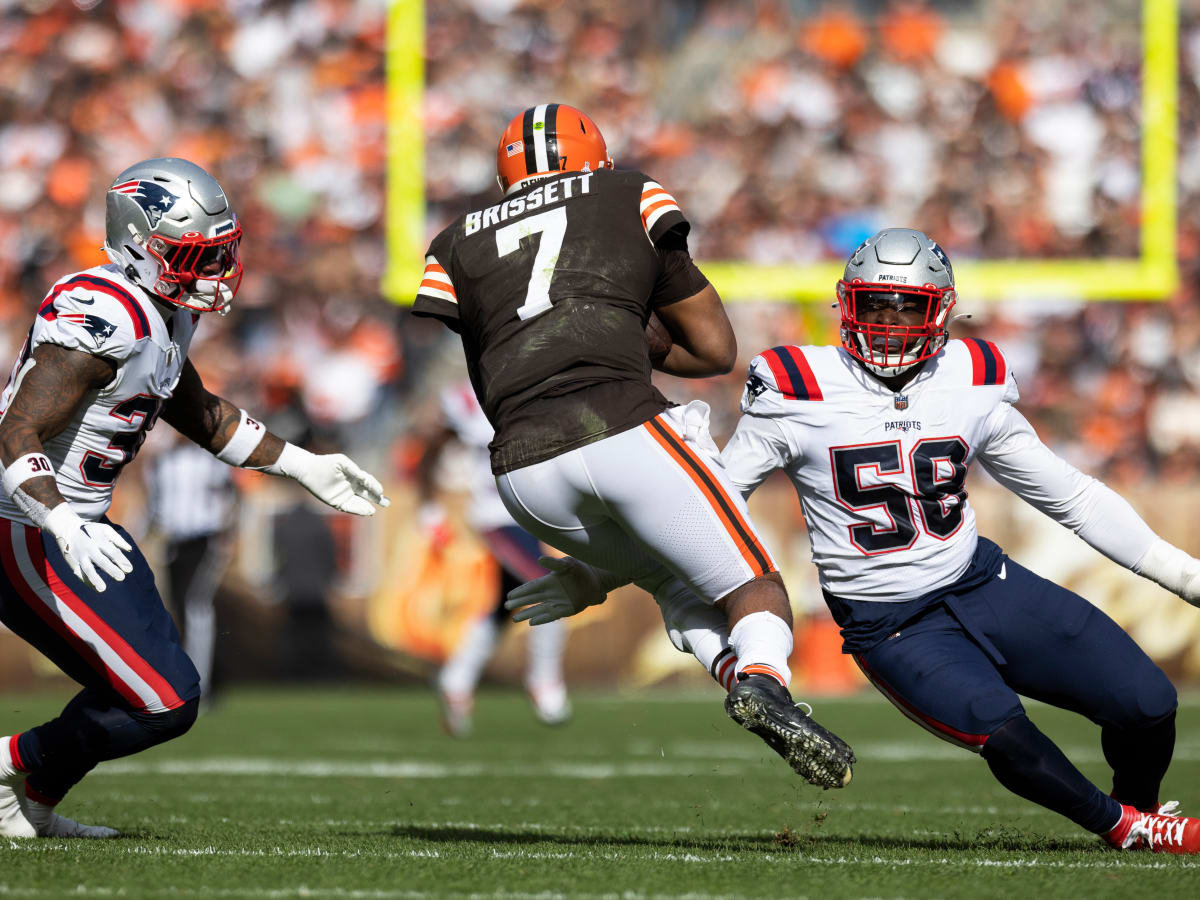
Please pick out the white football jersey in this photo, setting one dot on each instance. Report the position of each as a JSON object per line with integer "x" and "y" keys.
{"x": 466, "y": 417}
{"x": 101, "y": 312}
{"x": 880, "y": 473}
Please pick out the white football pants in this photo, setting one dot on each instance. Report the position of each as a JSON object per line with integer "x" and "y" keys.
{"x": 649, "y": 499}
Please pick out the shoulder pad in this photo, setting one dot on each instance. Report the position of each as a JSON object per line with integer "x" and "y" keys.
{"x": 781, "y": 373}
{"x": 94, "y": 314}
{"x": 989, "y": 367}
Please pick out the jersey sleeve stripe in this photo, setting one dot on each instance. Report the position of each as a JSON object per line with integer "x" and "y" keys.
{"x": 433, "y": 289}
{"x": 141, "y": 325}
{"x": 656, "y": 212}
{"x": 649, "y": 198}
{"x": 744, "y": 538}
{"x": 436, "y": 283}
{"x": 793, "y": 374}
{"x": 438, "y": 278}
{"x": 987, "y": 364}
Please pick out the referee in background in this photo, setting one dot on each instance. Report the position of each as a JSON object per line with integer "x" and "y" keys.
{"x": 190, "y": 500}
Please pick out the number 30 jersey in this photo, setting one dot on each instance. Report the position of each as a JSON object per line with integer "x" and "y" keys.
{"x": 551, "y": 288}
{"x": 99, "y": 311}
{"x": 880, "y": 474}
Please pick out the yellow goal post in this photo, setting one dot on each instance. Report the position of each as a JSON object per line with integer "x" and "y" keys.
{"x": 1153, "y": 275}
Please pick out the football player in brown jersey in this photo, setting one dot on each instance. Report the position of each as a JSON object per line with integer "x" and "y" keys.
{"x": 551, "y": 289}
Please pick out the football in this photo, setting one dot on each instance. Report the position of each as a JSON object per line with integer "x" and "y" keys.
{"x": 658, "y": 340}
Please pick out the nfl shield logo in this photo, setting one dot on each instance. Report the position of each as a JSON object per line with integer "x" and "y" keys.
{"x": 514, "y": 148}
{"x": 900, "y": 401}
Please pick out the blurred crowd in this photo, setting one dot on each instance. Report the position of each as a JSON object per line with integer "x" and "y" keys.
{"x": 788, "y": 129}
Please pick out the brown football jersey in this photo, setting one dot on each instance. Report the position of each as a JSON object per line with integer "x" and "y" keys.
{"x": 551, "y": 289}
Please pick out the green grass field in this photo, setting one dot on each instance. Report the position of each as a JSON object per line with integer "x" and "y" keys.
{"x": 355, "y": 793}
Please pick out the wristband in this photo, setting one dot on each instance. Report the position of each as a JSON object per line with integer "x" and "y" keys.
{"x": 31, "y": 465}
{"x": 248, "y": 435}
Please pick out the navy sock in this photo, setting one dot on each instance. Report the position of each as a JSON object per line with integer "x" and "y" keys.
{"x": 1031, "y": 766}
{"x": 1139, "y": 759}
{"x": 93, "y": 727}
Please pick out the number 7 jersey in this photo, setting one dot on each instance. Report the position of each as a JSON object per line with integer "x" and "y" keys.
{"x": 99, "y": 311}
{"x": 879, "y": 473}
{"x": 551, "y": 288}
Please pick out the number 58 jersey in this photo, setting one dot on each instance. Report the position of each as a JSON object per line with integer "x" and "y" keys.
{"x": 99, "y": 311}
{"x": 880, "y": 474}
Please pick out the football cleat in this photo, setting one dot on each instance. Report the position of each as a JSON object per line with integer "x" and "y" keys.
{"x": 550, "y": 703}
{"x": 14, "y": 814}
{"x": 50, "y": 824}
{"x": 1161, "y": 832}
{"x": 457, "y": 711}
{"x": 762, "y": 705}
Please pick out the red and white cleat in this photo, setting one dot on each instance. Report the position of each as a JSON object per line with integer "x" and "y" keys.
{"x": 1162, "y": 832}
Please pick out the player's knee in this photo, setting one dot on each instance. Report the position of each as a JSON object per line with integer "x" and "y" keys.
{"x": 1155, "y": 701}
{"x": 765, "y": 593}
{"x": 173, "y": 723}
{"x": 1017, "y": 742}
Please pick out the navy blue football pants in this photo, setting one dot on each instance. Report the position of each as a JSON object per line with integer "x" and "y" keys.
{"x": 517, "y": 552}
{"x": 958, "y": 669}
{"x": 139, "y": 687}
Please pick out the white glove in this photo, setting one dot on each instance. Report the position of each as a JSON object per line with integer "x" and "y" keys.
{"x": 1175, "y": 570}
{"x": 332, "y": 478}
{"x": 570, "y": 587}
{"x": 87, "y": 546}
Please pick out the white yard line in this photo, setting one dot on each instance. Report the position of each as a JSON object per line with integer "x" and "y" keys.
{"x": 674, "y": 760}
{"x": 1107, "y": 861}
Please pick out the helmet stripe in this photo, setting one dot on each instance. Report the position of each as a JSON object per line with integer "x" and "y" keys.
{"x": 539, "y": 139}
{"x": 527, "y": 132}
{"x": 551, "y": 137}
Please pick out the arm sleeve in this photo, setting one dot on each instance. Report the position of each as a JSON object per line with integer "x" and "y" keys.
{"x": 758, "y": 447}
{"x": 436, "y": 295}
{"x": 1017, "y": 459}
{"x": 678, "y": 276}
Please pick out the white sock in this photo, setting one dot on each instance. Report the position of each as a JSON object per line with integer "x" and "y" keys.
{"x": 763, "y": 643}
{"x": 461, "y": 672}
{"x": 698, "y": 628}
{"x": 545, "y": 649}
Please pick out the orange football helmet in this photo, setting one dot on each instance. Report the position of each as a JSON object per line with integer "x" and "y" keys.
{"x": 552, "y": 137}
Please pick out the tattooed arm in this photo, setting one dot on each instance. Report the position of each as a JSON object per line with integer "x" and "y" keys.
{"x": 210, "y": 421}
{"x": 50, "y": 388}
{"x": 234, "y": 437}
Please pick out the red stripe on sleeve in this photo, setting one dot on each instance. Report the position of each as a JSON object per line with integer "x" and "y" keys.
{"x": 1001, "y": 373}
{"x": 978, "y": 371}
{"x": 782, "y": 379}
{"x": 806, "y": 373}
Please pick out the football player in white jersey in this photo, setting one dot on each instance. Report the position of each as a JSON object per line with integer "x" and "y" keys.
{"x": 105, "y": 358}
{"x": 877, "y": 435}
{"x": 515, "y": 552}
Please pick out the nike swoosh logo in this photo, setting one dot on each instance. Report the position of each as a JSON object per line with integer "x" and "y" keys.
{"x": 88, "y": 302}
{"x": 1003, "y": 571}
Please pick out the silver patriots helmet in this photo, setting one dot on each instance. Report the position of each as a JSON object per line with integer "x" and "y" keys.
{"x": 905, "y": 265}
{"x": 170, "y": 228}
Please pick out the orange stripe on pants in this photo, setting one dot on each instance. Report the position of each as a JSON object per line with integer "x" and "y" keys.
{"x": 727, "y": 512}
